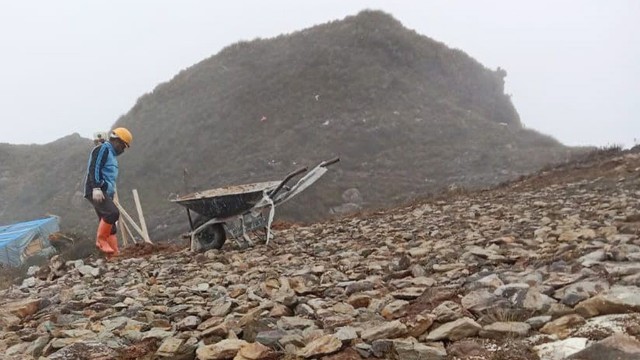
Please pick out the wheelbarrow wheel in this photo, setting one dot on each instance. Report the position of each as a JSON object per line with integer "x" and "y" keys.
{"x": 211, "y": 237}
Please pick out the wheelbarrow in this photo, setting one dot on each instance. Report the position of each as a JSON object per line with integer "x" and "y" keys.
{"x": 239, "y": 209}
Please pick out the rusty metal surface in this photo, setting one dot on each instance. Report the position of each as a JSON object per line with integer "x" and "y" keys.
{"x": 229, "y": 190}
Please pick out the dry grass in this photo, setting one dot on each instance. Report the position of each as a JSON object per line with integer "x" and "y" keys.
{"x": 505, "y": 315}
{"x": 514, "y": 350}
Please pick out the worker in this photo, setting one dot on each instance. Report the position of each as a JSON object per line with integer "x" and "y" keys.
{"x": 100, "y": 187}
{"x": 99, "y": 138}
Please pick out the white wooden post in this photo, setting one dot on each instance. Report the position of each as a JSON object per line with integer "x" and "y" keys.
{"x": 121, "y": 225}
{"x": 126, "y": 215}
{"x": 130, "y": 234}
{"x": 143, "y": 223}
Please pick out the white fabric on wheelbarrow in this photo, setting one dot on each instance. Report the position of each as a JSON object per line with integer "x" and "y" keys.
{"x": 306, "y": 181}
{"x": 264, "y": 202}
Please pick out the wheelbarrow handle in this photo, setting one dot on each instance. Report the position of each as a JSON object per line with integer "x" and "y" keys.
{"x": 330, "y": 162}
{"x": 286, "y": 179}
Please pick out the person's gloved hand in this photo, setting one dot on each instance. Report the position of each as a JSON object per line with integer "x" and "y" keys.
{"x": 98, "y": 195}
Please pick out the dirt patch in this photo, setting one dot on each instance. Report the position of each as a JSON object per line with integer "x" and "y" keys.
{"x": 348, "y": 354}
{"x": 281, "y": 225}
{"x": 142, "y": 250}
{"x": 514, "y": 350}
{"x": 484, "y": 349}
{"x": 468, "y": 349}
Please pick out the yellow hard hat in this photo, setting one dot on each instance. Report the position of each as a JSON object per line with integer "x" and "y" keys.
{"x": 122, "y": 134}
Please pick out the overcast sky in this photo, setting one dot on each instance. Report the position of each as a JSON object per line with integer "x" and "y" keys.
{"x": 76, "y": 66}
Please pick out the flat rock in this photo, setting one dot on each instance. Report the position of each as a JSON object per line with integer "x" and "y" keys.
{"x": 359, "y": 286}
{"x": 388, "y": 330}
{"x": 169, "y": 347}
{"x": 225, "y": 349}
{"x": 447, "y": 311}
{"x": 8, "y": 320}
{"x": 617, "y": 300}
{"x": 157, "y": 333}
{"x": 359, "y": 300}
{"x": 16, "y": 350}
{"x": 89, "y": 270}
{"x": 478, "y": 300}
{"x": 210, "y": 322}
{"x": 501, "y": 330}
{"x": 29, "y": 282}
{"x": 455, "y": 330}
{"x": 270, "y": 338}
{"x": 188, "y": 323}
{"x": 324, "y": 345}
{"x": 294, "y": 322}
{"x": 532, "y": 299}
{"x": 448, "y": 267}
{"x": 574, "y": 293}
{"x": 382, "y": 348}
{"x": 408, "y": 293}
{"x": 618, "y": 347}
{"x": 563, "y": 326}
{"x": 221, "y": 309}
{"x": 255, "y": 351}
{"x": 22, "y": 308}
{"x": 537, "y": 322}
{"x": 395, "y": 309}
{"x": 419, "y": 252}
{"x": 419, "y": 324}
{"x": 490, "y": 281}
{"x": 622, "y": 269}
{"x": 346, "y": 354}
{"x": 413, "y": 350}
{"x": 560, "y": 350}
{"x": 346, "y": 334}
{"x": 86, "y": 350}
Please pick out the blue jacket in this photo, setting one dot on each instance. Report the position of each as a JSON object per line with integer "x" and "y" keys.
{"x": 102, "y": 170}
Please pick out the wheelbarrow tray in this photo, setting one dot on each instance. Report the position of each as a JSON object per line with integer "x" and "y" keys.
{"x": 226, "y": 201}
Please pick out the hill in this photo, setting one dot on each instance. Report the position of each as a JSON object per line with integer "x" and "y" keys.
{"x": 36, "y": 180}
{"x": 547, "y": 267}
{"x": 407, "y": 115}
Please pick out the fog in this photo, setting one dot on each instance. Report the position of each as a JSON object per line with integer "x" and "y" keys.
{"x": 76, "y": 66}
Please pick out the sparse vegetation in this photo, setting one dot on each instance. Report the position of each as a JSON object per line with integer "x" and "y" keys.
{"x": 505, "y": 315}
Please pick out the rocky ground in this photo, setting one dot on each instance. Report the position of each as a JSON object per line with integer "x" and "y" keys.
{"x": 544, "y": 268}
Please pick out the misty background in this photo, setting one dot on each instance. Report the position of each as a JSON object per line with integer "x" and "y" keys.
{"x": 76, "y": 66}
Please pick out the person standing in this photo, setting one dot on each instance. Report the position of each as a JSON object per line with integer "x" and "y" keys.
{"x": 100, "y": 187}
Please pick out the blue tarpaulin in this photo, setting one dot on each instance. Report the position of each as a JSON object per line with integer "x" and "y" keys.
{"x": 22, "y": 240}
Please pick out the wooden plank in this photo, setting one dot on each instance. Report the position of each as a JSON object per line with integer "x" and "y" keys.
{"x": 121, "y": 225}
{"x": 143, "y": 223}
{"x": 133, "y": 224}
{"x": 130, "y": 234}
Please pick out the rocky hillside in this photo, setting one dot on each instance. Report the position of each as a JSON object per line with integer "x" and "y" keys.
{"x": 407, "y": 115}
{"x": 544, "y": 268}
{"x": 39, "y": 179}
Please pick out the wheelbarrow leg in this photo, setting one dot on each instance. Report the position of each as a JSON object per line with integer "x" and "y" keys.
{"x": 270, "y": 220}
